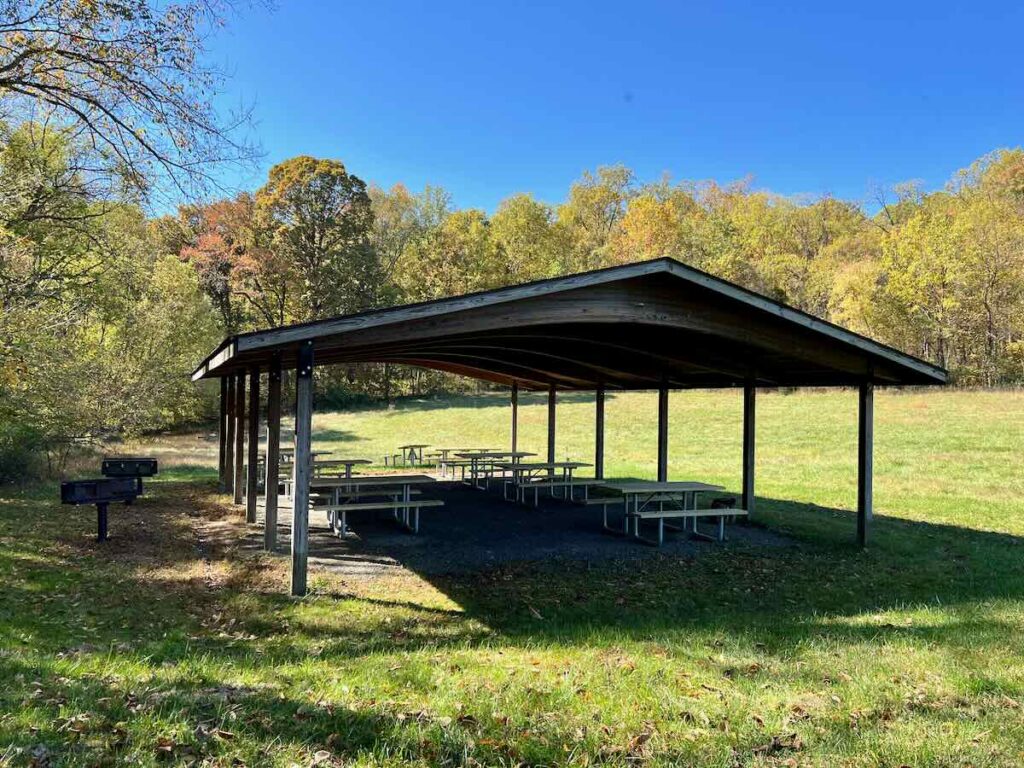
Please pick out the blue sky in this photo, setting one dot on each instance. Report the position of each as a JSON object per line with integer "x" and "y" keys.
{"x": 488, "y": 99}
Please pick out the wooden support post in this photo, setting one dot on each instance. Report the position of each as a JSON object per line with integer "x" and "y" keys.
{"x": 749, "y": 432}
{"x": 229, "y": 442}
{"x": 239, "y": 481}
{"x": 252, "y": 479}
{"x": 865, "y": 462}
{"x": 551, "y": 423}
{"x": 222, "y": 436}
{"x": 303, "y": 467}
{"x": 599, "y": 432}
{"x": 663, "y": 434}
{"x": 273, "y": 453}
{"x": 515, "y": 416}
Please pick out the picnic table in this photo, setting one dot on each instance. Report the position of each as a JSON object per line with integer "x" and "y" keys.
{"x": 541, "y": 474}
{"x": 288, "y": 455}
{"x": 443, "y": 456}
{"x": 347, "y": 494}
{"x": 661, "y": 501}
{"x": 475, "y": 458}
{"x": 413, "y": 454}
{"x": 319, "y": 467}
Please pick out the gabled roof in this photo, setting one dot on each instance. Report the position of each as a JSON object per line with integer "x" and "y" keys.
{"x": 630, "y": 327}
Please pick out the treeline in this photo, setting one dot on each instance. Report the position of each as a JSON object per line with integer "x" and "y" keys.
{"x": 939, "y": 275}
{"x": 106, "y": 310}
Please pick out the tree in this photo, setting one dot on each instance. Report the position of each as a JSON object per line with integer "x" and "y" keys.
{"x": 457, "y": 257}
{"x": 594, "y": 208}
{"x": 656, "y": 223}
{"x": 127, "y": 77}
{"x": 530, "y": 242}
{"x": 318, "y": 217}
{"x": 401, "y": 218}
{"x": 216, "y": 238}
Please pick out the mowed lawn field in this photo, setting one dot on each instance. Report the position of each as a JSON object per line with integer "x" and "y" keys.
{"x": 171, "y": 645}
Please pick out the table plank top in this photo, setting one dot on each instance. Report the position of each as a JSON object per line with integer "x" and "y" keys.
{"x": 341, "y": 462}
{"x": 416, "y": 445}
{"x": 494, "y": 454}
{"x": 330, "y": 482}
{"x": 544, "y": 465}
{"x": 652, "y": 486}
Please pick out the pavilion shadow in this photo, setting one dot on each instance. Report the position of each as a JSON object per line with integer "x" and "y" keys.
{"x": 333, "y": 435}
{"x": 800, "y": 576}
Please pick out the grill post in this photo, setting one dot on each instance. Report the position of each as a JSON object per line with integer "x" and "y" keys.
{"x": 101, "y": 521}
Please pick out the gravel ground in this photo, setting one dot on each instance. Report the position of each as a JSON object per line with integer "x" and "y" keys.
{"x": 476, "y": 530}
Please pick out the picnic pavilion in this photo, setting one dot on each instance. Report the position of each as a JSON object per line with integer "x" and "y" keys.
{"x": 653, "y": 325}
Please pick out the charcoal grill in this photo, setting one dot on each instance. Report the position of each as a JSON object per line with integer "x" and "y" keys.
{"x": 100, "y": 492}
{"x": 129, "y": 466}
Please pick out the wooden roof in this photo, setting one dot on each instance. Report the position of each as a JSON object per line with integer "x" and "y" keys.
{"x": 630, "y": 327}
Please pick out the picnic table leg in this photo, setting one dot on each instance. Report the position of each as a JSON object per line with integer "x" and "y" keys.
{"x": 406, "y": 496}
{"x": 721, "y": 527}
{"x": 661, "y": 531}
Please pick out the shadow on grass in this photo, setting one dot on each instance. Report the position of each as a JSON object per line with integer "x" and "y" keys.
{"x": 255, "y": 712}
{"x": 334, "y": 435}
{"x": 147, "y": 599}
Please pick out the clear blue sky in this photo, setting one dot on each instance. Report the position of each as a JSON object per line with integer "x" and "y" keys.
{"x": 487, "y": 99}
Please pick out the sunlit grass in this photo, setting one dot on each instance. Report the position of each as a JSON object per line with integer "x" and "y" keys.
{"x": 166, "y": 646}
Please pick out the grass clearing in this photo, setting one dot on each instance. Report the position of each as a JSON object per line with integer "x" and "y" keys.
{"x": 169, "y": 646}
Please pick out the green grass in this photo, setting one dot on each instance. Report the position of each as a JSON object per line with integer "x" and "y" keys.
{"x": 169, "y": 646}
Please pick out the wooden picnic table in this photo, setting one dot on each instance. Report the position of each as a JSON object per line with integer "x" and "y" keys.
{"x": 476, "y": 457}
{"x": 349, "y": 488}
{"x": 639, "y": 497}
{"x": 527, "y": 473}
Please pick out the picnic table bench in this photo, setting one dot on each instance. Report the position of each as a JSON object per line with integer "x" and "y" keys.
{"x": 483, "y": 463}
{"x": 413, "y": 453}
{"x": 443, "y": 456}
{"x": 662, "y": 501}
{"x": 524, "y": 476}
{"x": 390, "y": 492}
{"x": 287, "y": 455}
